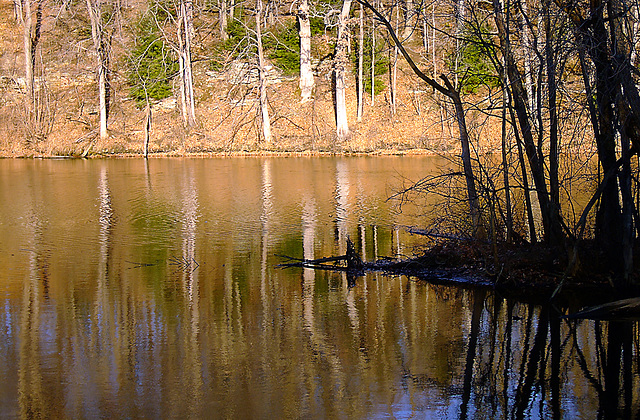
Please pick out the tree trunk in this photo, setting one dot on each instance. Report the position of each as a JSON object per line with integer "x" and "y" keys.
{"x": 223, "y": 18}
{"x": 373, "y": 62}
{"x": 505, "y": 164}
{"x": 264, "y": 109}
{"x": 525, "y": 180}
{"x": 527, "y": 46}
{"x": 29, "y": 47}
{"x": 34, "y": 104}
{"x": 449, "y": 91}
{"x": 550, "y": 56}
{"x": 185, "y": 34}
{"x": 306, "y": 73}
{"x": 472, "y": 194}
{"x": 461, "y": 11}
{"x": 360, "y": 64}
{"x": 147, "y": 128}
{"x": 339, "y": 70}
{"x": 102, "y": 47}
{"x": 409, "y": 20}
{"x": 393, "y": 73}
{"x": 433, "y": 41}
{"x": 550, "y": 216}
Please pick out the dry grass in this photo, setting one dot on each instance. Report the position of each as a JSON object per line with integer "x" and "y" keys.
{"x": 227, "y": 115}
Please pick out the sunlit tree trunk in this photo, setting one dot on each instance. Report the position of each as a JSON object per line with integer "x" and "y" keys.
{"x": 185, "y": 35}
{"x": 264, "y": 109}
{"x": 339, "y": 70}
{"x": 272, "y": 12}
{"x": 550, "y": 56}
{"x": 394, "y": 71}
{"x": 30, "y": 44}
{"x": 306, "y": 73}
{"x": 373, "y": 62}
{"x": 461, "y": 12}
{"x": 433, "y": 41}
{"x": 31, "y": 21}
{"x": 223, "y": 18}
{"x": 527, "y": 46}
{"x": 102, "y": 46}
{"x": 360, "y": 64}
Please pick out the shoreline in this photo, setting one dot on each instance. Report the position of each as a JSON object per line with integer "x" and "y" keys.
{"x": 231, "y": 154}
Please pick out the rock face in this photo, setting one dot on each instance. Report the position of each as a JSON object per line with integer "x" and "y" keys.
{"x": 245, "y": 73}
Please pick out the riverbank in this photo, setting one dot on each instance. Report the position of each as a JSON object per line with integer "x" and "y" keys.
{"x": 535, "y": 273}
{"x": 230, "y": 154}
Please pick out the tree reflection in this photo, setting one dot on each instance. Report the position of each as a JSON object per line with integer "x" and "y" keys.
{"x": 97, "y": 336}
{"x": 540, "y": 377}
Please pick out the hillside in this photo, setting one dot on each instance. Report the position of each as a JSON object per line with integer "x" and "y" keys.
{"x": 226, "y": 103}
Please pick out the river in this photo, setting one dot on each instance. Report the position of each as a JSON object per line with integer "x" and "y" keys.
{"x": 132, "y": 288}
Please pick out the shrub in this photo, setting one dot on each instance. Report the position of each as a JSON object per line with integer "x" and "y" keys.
{"x": 150, "y": 66}
{"x": 475, "y": 67}
{"x": 284, "y": 48}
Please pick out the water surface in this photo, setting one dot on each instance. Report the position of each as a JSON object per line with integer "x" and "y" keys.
{"x": 150, "y": 289}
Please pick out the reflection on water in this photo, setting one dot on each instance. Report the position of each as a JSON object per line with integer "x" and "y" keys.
{"x": 132, "y": 288}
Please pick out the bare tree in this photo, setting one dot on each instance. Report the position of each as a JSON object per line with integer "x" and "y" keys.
{"x": 452, "y": 93}
{"x": 102, "y": 47}
{"x": 339, "y": 70}
{"x": 38, "y": 121}
{"x": 360, "y": 64}
{"x": 306, "y": 74}
{"x": 223, "y": 19}
{"x": 264, "y": 106}
{"x": 185, "y": 35}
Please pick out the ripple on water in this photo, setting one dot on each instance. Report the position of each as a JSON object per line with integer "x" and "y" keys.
{"x": 153, "y": 220}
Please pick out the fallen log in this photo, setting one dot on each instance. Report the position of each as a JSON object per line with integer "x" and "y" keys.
{"x": 350, "y": 262}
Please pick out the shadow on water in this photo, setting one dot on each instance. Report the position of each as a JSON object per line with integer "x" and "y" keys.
{"x": 518, "y": 368}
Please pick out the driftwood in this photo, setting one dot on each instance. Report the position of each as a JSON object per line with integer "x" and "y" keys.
{"x": 350, "y": 262}
{"x": 429, "y": 271}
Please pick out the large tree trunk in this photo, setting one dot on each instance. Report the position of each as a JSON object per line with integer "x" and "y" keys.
{"x": 185, "y": 34}
{"x": 101, "y": 46}
{"x": 339, "y": 70}
{"x": 360, "y": 64}
{"x": 264, "y": 108}
{"x": 29, "y": 48}
{"x": 472, "y": 194}
{"x": 306, "y": 74}
{"x": 615, "y": 113}
{"x": 34, "y": 103}
{"x": 223, "y": 19}
{"x": 550, "y": 56}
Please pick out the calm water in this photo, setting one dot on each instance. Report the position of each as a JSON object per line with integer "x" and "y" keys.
{"x": 134, "y": 289}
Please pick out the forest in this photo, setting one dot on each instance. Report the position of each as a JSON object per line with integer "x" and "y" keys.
{"x": 535, "y": 101}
